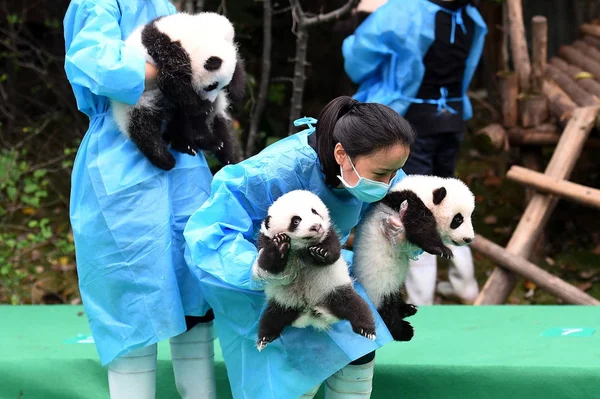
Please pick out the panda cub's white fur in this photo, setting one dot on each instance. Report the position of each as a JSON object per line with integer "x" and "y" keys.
{"x": 307, "y": 282}
{"x": 196, "y": 58}
{"x": 202, "y": 35}
{"x": 419, "y": 212}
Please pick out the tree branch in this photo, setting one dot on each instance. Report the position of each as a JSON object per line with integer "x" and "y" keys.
{"x": 332, "y": 15}
{"x": 259, "y": 106}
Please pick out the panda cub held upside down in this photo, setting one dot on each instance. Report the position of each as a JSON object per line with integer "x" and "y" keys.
{"x": 306, "y": 279}
{"x": 196, "y": 58}
{"x": 419, "y": 212}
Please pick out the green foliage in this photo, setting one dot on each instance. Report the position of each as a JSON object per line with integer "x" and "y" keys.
{"x": 33, "y": 234}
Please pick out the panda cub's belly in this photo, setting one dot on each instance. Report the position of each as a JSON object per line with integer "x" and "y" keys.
{"x": 308, "y": 287}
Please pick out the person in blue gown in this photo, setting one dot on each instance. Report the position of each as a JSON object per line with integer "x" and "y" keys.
{"x": 128, "y": 216}
{"x": 419, "y": 57}
{"x": 349, "y": 158}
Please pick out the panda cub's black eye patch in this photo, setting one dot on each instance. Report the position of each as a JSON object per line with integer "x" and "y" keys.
{"x": 294, "y": 223}
{"x": 211, "y": 87}
{"x": 456, "y": 221}
{"x": 315, "y": 212}
{"x": 213, "y": 63}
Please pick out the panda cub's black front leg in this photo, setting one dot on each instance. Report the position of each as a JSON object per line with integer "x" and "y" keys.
{"x": 227, "y": 150}
{"x": 144, "y": 128}
{"x": 273, "y": 252}
{"x": 328, "y": 251}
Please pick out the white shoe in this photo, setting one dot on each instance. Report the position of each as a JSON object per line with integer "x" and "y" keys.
{"x": 193, "y": 362}
{"x": 461, "y": 274}
{"x": 420, "y": 280}
{"x": 351, "y": 382}
{"x": 311, "y": 394}
{"x": 133, "y": 376}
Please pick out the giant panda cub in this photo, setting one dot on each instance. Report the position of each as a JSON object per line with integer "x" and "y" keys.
{"x": 196, "y": 58}
{"x": 307, "y": 282}
{"x": 419, "y": 212}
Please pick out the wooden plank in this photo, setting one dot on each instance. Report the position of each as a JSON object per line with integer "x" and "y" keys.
{"x": 561, "y": 105}
{"x": 551, "y": 185}
{"x": 570, "y": 86}
{"x": 546, "y": 281}
{"x": 501, "y": 282}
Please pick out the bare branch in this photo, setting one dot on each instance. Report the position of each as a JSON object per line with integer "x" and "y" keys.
{"x": 332, "y": 15}
{"x": 259, "y": 106}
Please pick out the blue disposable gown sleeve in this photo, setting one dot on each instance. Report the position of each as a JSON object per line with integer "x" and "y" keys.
{"x": 220, "y": 236}
{"x": 96, "y": 56}
{"x": 380, "y": 38}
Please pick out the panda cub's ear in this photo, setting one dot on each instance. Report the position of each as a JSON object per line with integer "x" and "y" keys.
{"x": 267, "y": 222}
{"x": 237, "y": 86}
{"x": 438, "y": 195}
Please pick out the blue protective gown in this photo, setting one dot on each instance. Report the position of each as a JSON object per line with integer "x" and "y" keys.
{"x": 221, "y": 248}
{"x": 127, "y": 215}
{"x": 385, "y": 54}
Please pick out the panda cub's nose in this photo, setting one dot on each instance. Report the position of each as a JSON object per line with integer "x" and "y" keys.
{"x": 316, "y": 228}
{"x": 467, "y": 240}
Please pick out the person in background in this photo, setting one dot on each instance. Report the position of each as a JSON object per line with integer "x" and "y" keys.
{"x": 128, "y": 216}
{"x": 419, "y": 57}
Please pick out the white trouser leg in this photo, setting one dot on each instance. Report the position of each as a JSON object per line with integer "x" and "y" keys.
{"x": 461, "y": 274}
{"x": 420, "y": 280}
{"x": 193, "y": 362}
{"x": 133, "y": 376}
{"x": 351, "y": 382}
{"x": 311, "y": 394}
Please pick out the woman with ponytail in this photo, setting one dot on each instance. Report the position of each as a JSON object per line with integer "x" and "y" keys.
{"x": 349, "y": 158}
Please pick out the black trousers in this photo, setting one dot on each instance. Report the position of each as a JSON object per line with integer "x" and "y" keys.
{"x": 434, "y": 154}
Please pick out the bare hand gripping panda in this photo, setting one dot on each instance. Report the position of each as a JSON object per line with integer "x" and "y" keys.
{"x": 419, "y": 212}
{"x": 196, "y": 57}
{"x": 307, "y": 280}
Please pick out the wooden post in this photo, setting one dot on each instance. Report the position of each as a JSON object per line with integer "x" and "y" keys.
{"x": 593, "y": 41}
{"x": 491, "y": 139}
{"x": 539, "y": 33}
{"x": 562, "y": 188}
{"x": 576, "y": 92}
{"x": 542, "y": 278}
{"x": 560, "y": 103}
{"x": 508, "y": 86}
{"x": 583, "y": 78}
{"x": 518, "y": 44}
{"x": 576, "y": 57}
{"x": 501, "y": 283}
{"x": 589, "y": 29}
{"x": 587, "y": 49}
{"x": 534, "y": 110}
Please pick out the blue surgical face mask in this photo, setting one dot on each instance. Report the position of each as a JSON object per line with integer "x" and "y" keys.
{"x": 365, "y": 190}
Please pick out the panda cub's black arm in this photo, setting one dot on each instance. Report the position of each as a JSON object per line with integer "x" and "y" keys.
{"x": 273, "y": 253}
{"x": 419, "y": 223}
{"x": 328, "y": 251}
{"x": 174, "y": 75}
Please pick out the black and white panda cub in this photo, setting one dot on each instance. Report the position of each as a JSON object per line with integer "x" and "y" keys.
{"x": 306, "y": 279}
{"x": 419, "y": 212}
{"x": 196, "y": 57}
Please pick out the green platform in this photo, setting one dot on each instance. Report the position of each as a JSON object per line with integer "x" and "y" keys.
{"x": 458, "y": 352}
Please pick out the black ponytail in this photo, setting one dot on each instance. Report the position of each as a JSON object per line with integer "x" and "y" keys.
{"x": 361, "y": 128}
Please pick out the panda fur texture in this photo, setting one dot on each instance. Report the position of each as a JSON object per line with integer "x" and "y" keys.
{"x": 307, "y": 282}
{"x": 196, "y": 58}
{"x": 430, "y": 213}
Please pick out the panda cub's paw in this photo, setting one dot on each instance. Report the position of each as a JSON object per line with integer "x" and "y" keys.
{"x": 401, "y": 330}
{"x": 282, "y": 242}
{"x": 408, "y": 310}
{"x": 263, "y": 342}
{"x": 320, "y": 254}
{"x": 442, "y": 251}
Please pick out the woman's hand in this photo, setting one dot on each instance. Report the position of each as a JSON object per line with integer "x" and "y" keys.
{"x": 151, "y": 73}
{"x": 392, "y": 226}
